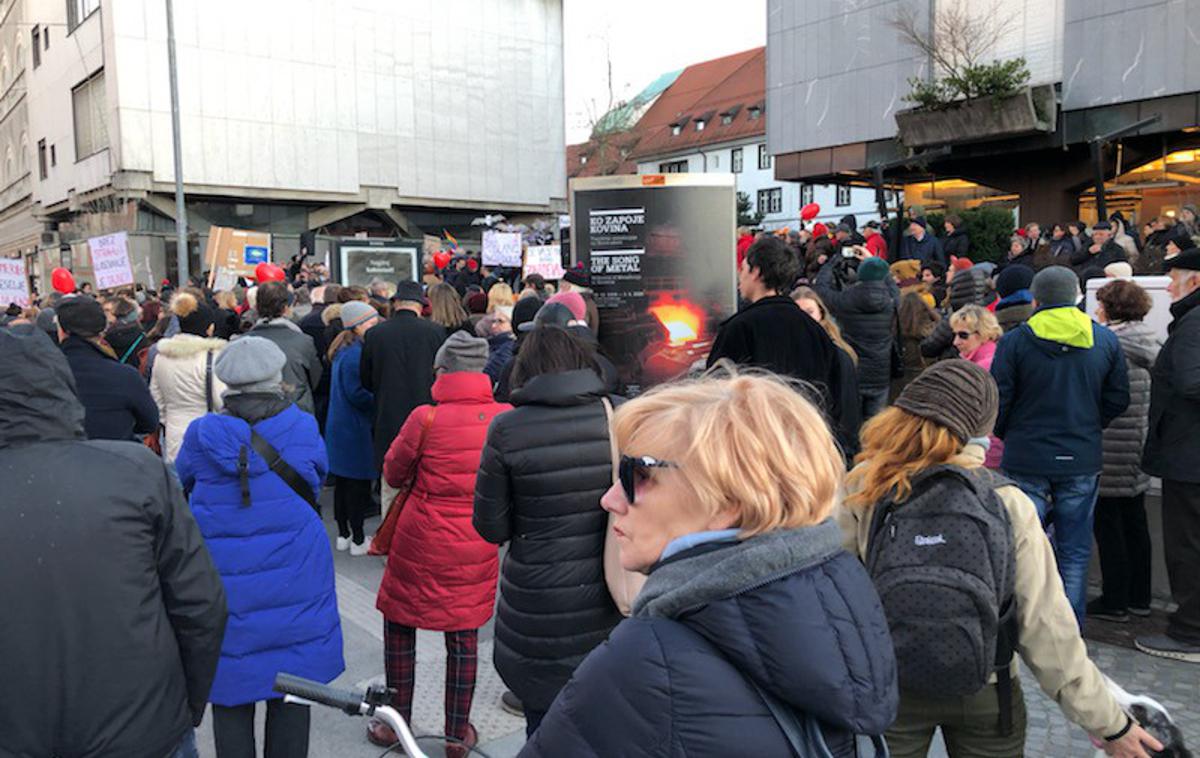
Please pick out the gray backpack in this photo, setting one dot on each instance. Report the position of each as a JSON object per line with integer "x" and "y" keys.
{"x": 944, "y": 565}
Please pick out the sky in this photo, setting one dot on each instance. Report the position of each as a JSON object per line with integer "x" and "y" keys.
{"x": 643, "y": 39}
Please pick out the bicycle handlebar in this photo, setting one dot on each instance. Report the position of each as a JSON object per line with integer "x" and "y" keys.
{"x": 343, "y": 700}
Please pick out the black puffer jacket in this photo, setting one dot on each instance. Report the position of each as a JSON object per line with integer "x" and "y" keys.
{"x": 113, "y": 610}
{"x": 1172, "y": 445}
{"x": 957, "y": 244}
{"x": 866, "y": 312}
{"x": 967, "y": 288}
{"x": 545, "y": 466}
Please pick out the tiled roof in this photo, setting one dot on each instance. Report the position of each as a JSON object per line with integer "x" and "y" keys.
{"x": 605, "y": 156}
{"x": 734, "y": 86}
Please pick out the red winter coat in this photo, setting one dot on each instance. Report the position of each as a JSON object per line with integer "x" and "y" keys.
{"x": 441, "y": 575}
{"x": 877, "y": 246}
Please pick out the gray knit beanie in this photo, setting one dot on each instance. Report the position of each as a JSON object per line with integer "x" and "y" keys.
{"x": 356, "y": 312}
{"x": 1056, "y": 285}
{"x": 956, "y": 394}
{"x": 462, "y": 352}
{"x": 250, "y": 364}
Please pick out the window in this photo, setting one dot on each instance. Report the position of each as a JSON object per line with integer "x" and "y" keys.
{"x": 806, "y": 194}
{"x": 770, "y": 200}
{"x": 23, "y": 158}
{"x": 42, "y": 172}
{"x": 676, "y": 129}
{"x": 700, "y": 125}
{"x": 755, "y": 112}
{"x": 674, "y": 167}
{"x": 78, "y": 10}
{"x": 46, "y": 38}
{"x": 716, "y": 161}
{"x": 726, "y": 119}
{"x": 36, "y": 50}
{"x": 764, "y": 158}
{"x": 53, "y": 157}
{"x": 583, "y": 160}
{"x": 91, "y": 127}
{"x": 735, "y": 160}
{"x": 843, "y": 195}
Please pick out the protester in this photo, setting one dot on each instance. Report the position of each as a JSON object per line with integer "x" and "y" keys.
{"x": 933, "y": 274}
{"x": 967, "y": 287}
{"x": 1015, "y": 305}
{"x": 114, "y": 611}
{"x": 544, "y": 467}
{"x": 772, "y": 332}
{"x": 848, "y": 400}
{"x": 303, "y": 370}
{"x": 577, "y": 280}
{"x": 1122, "y": 237}
{"x": 115, "y": 399}
{"x": 500, "y": 296}
{"x": 447, "y": 311}
{"x": 749, "y": 596}
{"x": 348, "y": 428}
{"x": 125, "y": 335}
{"x": 866, "y": 311}
{"x": 183, "y": 384}
{"x": 876, "y": 244}
{"x": 397, "y": 367}
{"x": 1089, "y": 262}
{"x": 497, "y": 329}
{"x": 1020, "y": 252}
{"x": 975, "y": 333}
{"x": 1061, "y": 246}
{"x": 269, "y": 545}
{"x": 1172, "y": 450}
{"x": 1062, "y": 380}
{"x": 441, "y": 575}
{"x": 956, "y": 242}
{"x": 921, "y": 245}
{"x": 1077, "y": 231}
{"x": 916, "y": 456}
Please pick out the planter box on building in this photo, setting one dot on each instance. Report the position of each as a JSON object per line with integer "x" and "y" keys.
{"x": 1031, "y": 110}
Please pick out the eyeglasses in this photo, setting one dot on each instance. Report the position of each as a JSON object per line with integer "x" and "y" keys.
{"x": 632, "y": 470}
{"x": 963, "y": 335}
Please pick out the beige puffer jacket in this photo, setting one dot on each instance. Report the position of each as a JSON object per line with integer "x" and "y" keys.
{"x": 1048, "y": 639}
{"x": 178, "y": 385}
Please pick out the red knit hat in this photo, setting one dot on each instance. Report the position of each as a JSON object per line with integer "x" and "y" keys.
{"x": 820, "y": 230}
{"x": 960, "y": 264}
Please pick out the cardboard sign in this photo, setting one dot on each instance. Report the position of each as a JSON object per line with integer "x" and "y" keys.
{"x": 14, "y": 285}
{"x": 110, "y": 260}
{"x": 545, "y": 260}
{"x": 235, "y": 252}
{"x": 502, "y": 249}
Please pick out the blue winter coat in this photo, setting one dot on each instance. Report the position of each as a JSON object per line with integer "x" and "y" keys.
{"x": 273, "y": 555}
{"x": 348, "y": 425}
{"x": 788, "y": 610}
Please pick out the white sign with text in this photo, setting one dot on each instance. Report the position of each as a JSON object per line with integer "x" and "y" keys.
{"x": 110, "y": 260}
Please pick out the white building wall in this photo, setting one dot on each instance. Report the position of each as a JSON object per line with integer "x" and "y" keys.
{"x": 459, "y": 100}
{"x": 751, "y": 179}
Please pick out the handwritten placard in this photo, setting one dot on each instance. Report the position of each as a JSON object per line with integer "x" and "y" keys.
{"x": 14, "y": 285}
{"x": 502, "y": 249}
{"x": 545, "y": 260}
{"x": 110, "y": 260}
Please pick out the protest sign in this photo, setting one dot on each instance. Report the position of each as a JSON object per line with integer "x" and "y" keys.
{"x": 110, "y": 260}
{"x": 14, "y": 285}
{"x": 545, "y": 260}
{"x": 502, "y": 249}
{"x": 235, "y": 252}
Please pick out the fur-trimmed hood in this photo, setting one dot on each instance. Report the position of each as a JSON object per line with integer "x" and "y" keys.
{"x": 186, "y": 345}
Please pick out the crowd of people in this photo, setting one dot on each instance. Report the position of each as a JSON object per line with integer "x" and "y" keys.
{"x": 785, "y": 510}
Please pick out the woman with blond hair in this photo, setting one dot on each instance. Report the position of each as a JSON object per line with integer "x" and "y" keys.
{"x": 916, "y": 466}
{"x": 751, "y": 609}
{"x": 446, "y": 309}
{"x": 975, "y": 333}
{"x": 500, "y": 296}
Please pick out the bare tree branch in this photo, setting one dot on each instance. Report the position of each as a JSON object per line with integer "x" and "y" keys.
{"x": 962, "y": 35}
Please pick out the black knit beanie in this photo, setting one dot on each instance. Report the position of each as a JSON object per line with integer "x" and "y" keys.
{"x": 956, "y": 394}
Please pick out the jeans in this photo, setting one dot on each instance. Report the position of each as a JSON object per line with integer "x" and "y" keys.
{"x": 1068, "y": 502}
{"x": 187, "y": 746}
{"x": 873, "y": 401}
{"x": 1123, "y": 541}
{"x": 286, "y": 737}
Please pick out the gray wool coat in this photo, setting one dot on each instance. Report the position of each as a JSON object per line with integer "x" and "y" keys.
{"x": 1122, "y": 475}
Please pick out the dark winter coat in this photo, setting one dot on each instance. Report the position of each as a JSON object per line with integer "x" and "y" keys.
{"x": 929, "y": 249}
{"x": 500, "y": 353}
{"x": 1126, "y": 435}
{"x": 1014, "y": 310}
{"x": 957, "y": 244}
{"x": 1089, "y": 266}
{"x": 544, "y": 468}
{"x": 126, "y": 340}
{"x": 273, "y": 554}
{"x": 113, "y": 610}
{"x": 116, "y": 399}
{"x": 348, "y": 425}
{"x": 866, "y": 313}
{"x": 1062, "y": 249}
{"x": 302, "y": 372}
{"x": 968, "y": 287}
{"x": 787, "y": 611}
{"x": 1172, "y": 444}
{"x": 441, "y": 574}
{"x": 1062, "y": 380}
{"x": 775, "y": 334}
{"x": 397, "y": 366}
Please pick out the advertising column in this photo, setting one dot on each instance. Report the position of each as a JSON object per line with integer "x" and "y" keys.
{"x": 660, "y": 254}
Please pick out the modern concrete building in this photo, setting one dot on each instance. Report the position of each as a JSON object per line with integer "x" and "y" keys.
{"x": 1107, "y": 66}
{"x": 20, "y": 232}
{"x": 383, "y": 118}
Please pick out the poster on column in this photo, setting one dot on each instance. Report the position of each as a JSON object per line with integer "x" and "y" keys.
{"x": 502, "y": 249}
{"x": 14, "y": 284}
{"x": 659, "y": 251}
{"x": 110, "y": 260}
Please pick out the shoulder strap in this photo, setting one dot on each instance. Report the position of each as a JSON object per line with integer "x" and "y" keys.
{"x": 133, "y": 347}
{"x": 208, "y": 383}
{"x": 281, "y": 468}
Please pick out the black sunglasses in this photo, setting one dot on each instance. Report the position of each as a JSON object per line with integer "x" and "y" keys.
{"x": 633, "y": 469}
{"x": 963, "y": 335}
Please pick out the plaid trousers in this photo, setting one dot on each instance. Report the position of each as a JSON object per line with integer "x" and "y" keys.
{"x": 462, "y": 661}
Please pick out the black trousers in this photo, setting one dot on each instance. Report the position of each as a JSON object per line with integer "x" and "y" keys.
{"x": 287, "y": 730}
{"x": 1123, "y": 541}
{"x": 351, "y": 502}
{"x": 1181, "y": 548}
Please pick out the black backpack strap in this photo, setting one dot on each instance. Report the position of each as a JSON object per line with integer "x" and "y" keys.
{"x": 1006, "y": 645}
{"x": 282, "y": 469}
{"x": 208, "y": 384}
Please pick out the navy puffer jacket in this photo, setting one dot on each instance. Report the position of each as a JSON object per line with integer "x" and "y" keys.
{"x": 788, "y": 610}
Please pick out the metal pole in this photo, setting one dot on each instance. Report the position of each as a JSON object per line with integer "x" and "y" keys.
{"x": 1098, "y": 165}
{"x": 181, "y": 234}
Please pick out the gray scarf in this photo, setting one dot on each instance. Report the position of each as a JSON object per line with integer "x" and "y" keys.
{"x": 689, "y": 582}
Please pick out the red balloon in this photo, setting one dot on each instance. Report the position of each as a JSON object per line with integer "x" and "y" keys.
{"x": 441, "y": 259}
{"x": 820, "y": 230}
{"x": 810, "y": 211}
{"x": 62, "y": 281}
{"x": 268, "y": 272}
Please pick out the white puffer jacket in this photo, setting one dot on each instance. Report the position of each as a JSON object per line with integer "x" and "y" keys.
{"x": 178, "y": 385}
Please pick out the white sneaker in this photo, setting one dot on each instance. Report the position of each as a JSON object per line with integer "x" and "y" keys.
{"x": 343, "y": 543}
{"x": 357, "y": 548}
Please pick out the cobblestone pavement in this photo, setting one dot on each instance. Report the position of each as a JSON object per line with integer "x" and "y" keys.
{"x": 334, "y": 735}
